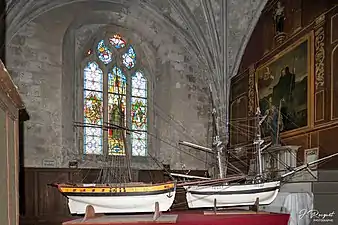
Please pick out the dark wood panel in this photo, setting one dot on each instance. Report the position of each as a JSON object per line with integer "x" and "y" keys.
{"x": 239, "y": 122}
{"x": 151, "y": 176}
{"x": 299, "y": 14}
{"x": 333, "y": 28}
{"x": 43, "y": 203}
{"x": 50, "y": 201}
{"x": 28, "y": 197}
{"x": 327, "y": 146}
{"x": 319, "y": 106}
{"x": 3, "y": 31}
{"x": 334, "y": 81}
{"x": 3, "y": 170}
{"x": 239, "y": 86}
{"x": 312, "y": 9}
{"x": 314, "y": 140}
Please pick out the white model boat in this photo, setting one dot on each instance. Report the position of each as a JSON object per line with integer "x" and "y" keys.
{"x": 137, "y": 198}
{"x": 199, "y": 196}
{"x": 221, "y": 194}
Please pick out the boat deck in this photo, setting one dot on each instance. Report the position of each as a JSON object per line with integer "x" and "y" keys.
{"x": 238, "y": 217}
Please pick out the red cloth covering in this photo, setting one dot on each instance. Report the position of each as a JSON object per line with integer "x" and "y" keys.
{"x": 239, "y": 219}
{"x": 194, "y": 218}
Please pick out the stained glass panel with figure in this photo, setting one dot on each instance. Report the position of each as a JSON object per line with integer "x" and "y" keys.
{"x": 117, "y": 81}
{"x": 116, "y": 111}
{"x": 93, "y": 110}
{"x": 103, "y": 52}
{"x": 116, "y": 120}
{"x": 129, "y": 58}
{"x": 139, "y": 114}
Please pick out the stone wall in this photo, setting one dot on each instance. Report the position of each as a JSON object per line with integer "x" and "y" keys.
{"x": 43, "y": 46}
{"x": 38, "y": 62}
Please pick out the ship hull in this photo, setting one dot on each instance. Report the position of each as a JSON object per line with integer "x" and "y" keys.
{"x": 120, "y": 200}
{"x": 231, "y": 195}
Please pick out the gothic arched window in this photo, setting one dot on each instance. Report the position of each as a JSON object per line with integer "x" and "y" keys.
{"x": 114, "y": 97}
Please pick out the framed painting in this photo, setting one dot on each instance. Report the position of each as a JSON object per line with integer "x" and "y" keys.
{"x": 284, "y": 89}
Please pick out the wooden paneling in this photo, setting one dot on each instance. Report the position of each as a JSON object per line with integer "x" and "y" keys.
{"x": 314, "y": 140}
{"x": 239, "y": 123}
{"x": 333, "y": 30}
{"x": 239, "y": 109}
{"x": 302, "y": 17}
{"x": 10, "y": 104}
{"x": 312, "y": 9}
{"x": 328, "y": 145}
{"x": 43, "y": 203}
{"x": 239, "y": 86}
{"x": 334, "y": 85}
{"x": 3, "y": 30}
{"x": 50, "y": 201}
{"x": 297, "y": 12}
{"x": 319, "y": 109}
{"x": 3, "y": 171}
{"x": 12, "y": 169}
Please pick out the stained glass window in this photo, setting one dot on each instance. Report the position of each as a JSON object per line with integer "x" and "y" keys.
{"x": 93, "y": 113}
{"x": 116, "y": 111}
{"x": 104, "y": 54}
{"x": 139, "y": 114}
{"x": 117, "y": 41}
{"x": 129, "y": 58}
{"x": 109, "y": 99}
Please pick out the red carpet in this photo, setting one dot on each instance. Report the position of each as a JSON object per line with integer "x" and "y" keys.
{"x": 197, "y": 218}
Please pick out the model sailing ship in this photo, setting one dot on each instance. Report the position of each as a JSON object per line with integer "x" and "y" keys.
{"x": 128, "y": 197}
{"x": 115, "y": 192}
{"x": 121, "y": 198}
{"x": 250, "y": 192}
{"x": 224, "y": 195}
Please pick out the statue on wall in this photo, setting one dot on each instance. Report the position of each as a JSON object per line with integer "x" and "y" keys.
{"x": 279, "y": 17}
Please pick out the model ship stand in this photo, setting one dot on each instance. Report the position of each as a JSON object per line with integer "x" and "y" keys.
{"x": 254, "y": 209}
{"x": 92, "y": 218}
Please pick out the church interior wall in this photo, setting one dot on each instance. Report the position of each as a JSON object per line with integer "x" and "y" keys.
{"x": 316, "y": 21}
{"x": 39, "y": 57}
{"x": 41, "y": 39}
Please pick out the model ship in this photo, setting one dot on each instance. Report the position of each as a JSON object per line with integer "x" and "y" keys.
{"x": 114, "y": 191}
{"x": 220, "y": 191}
{"x": 118, "y": 198}
{"x": 248, "y": 191}
{"x": 245, "y": 193}
{"x": 225, "y": 194}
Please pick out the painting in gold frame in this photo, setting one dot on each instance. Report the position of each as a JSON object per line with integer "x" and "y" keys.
{"x": 285, "y": 89}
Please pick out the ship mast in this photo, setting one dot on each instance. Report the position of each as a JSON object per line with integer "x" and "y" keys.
{"x": 217, "y": 143}
{"x": 258, "y": 142}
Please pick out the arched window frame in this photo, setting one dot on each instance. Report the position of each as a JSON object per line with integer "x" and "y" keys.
{"x": 106, "y": 68}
